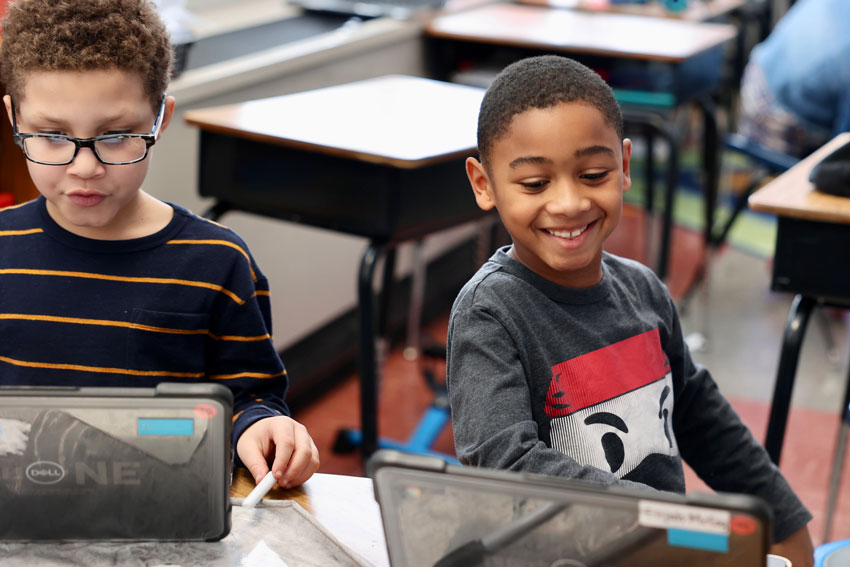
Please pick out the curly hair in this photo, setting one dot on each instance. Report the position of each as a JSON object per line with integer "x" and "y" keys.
{"x": 82, "y": 35}
{"x": 541, "y": 82}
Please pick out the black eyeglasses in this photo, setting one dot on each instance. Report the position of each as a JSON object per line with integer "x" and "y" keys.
{"x": 110, "y": 149}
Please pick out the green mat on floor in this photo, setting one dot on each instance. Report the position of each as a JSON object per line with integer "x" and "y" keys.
{"x": 753, "y": 233}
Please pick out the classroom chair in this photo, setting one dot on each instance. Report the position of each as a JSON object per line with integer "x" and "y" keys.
{"x": 833, "y": 554}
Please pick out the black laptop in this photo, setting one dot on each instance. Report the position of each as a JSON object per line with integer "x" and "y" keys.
{"x": 440, "y": 515}
{"x": 115, "y": 463}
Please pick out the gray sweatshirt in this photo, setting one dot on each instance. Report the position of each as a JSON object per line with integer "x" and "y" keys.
{"x": 595, "y": 384}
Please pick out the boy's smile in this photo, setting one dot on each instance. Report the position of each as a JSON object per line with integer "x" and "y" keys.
{"x": 557, "y": 178}
{"x": 87, "y": 197}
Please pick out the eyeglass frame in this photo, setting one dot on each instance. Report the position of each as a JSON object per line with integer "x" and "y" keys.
{"x": 150, "y": 139}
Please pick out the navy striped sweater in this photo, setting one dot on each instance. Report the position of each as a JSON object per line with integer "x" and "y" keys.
{"x": 185, "y": 304}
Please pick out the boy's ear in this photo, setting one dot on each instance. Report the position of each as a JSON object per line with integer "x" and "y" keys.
{"x": 167, "y": 113}
{"x": 627, "y": 156}
{"x": 7, "y": 101}
{"x": 480, "y": 184}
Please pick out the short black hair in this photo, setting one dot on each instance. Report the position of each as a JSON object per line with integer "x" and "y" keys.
{"x": 541, "y": 82}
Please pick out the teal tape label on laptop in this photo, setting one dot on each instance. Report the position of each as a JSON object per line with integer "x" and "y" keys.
{"x": 165, "y": 426}
{"x": 698, "y": 540}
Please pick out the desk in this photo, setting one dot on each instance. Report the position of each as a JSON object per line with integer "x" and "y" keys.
{"x": 813, "y": 236}
{"x": 501, "y": 33}
{"x": 696, "y": 10}
{"x": 381, "y": 158}
{"x": 345, "y": 505}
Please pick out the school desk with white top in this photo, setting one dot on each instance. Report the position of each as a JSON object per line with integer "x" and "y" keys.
{"x": 381, "y": 158}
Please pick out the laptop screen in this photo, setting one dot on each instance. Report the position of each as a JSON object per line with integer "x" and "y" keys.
{"x": 467, "y": 516}
{"x": 114, "y": 464}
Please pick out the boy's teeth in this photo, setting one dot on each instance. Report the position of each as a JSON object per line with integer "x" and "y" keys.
{"x": 567, "y": 233}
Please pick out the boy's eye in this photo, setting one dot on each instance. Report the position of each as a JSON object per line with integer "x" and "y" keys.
{"x": 116, "y": 141}
{"x": 534, "y": 185}
{"x": 56, "y": 141}
{"x": 594, "y": 176}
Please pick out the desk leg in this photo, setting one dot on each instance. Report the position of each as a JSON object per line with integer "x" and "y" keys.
{"x": 649, "y": 200}
{"x": 669, "y": 200}
{"x": 795, "y": 330}
{"x": 217, "y": 211}
{"x": 709, "y": 165}
{"x": 369, "y": 361}
{"x": 655, "y": 124}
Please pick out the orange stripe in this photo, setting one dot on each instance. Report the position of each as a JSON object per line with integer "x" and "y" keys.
{"x": 128, "y": 325}
{"x": 10, "y": 207}
{"x": 20, "y": 232}
{"x": 220, "y": 243}
{"x": 88, "y": 275}
{"x": 105, "y": 370}
{"x": 238, "y": 338}
{"x": 103, "y": 322}
{"x": 214, "y": 242}
{"x": 246, "y": 375}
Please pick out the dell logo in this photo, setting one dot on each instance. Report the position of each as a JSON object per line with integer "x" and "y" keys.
{"x": 45, "y": 472}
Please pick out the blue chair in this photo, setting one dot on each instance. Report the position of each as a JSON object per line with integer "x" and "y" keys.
{"x": 834, "y": 554}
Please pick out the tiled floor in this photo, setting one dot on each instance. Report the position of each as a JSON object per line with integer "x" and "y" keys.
{"x": 742, "y": 322}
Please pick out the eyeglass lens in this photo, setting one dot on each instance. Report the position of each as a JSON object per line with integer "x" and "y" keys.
{"x": 58, "y": 150}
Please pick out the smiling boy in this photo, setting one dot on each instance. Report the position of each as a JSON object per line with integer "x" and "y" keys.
{"x": 102, "y": 284}
{"x": 564, "y": 359}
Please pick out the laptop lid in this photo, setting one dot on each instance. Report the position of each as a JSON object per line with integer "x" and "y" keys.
{"x": 441, "y": 515}
{"x": 115, "y": 463}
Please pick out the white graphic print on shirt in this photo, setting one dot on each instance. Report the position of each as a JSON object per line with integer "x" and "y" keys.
{"x": 613, "y": 407}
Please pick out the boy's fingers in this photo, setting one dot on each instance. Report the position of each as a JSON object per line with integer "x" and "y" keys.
{"x": 311, "y": 467}
{"x": 295, "y": 456}
{"x": 301, "y": 463}
{"x": 255, "y": 462}
{"x": 284, "y": 445}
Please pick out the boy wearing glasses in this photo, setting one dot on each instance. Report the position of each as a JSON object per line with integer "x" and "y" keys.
{"x": 101, "y": 284}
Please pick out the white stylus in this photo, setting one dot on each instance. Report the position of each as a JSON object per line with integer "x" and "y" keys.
{"x": 259, "y": 491}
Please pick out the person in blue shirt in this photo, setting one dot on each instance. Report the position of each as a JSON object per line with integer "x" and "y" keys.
{"x": 795, "y": 92}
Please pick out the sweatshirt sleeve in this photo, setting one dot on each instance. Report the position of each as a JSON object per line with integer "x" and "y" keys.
{"x": 718, "y": 445}
{"x": 242, "y": 357}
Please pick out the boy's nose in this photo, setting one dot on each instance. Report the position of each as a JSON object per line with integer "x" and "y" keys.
{"x": 568, "y": 199}
{"x": 85, "y": 164}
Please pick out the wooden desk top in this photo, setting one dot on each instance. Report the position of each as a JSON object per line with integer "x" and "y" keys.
{"x": 619, "y": 35}
{"x": 792, "y": 194}
{"x": 696, "y": 10}
{"x": 345, "y": 505}
{"x": 395, "y": 120}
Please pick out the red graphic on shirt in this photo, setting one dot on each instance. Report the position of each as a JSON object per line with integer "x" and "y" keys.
{"x": 604, "y": 374}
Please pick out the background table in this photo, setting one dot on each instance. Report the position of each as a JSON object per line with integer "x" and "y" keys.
{"x": 381, "y": 158}
{"x": 813, "y": 237}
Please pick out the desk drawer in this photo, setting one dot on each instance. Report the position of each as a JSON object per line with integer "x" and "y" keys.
{"x": 352, "y": 196}
{"x": 812, "y": 258}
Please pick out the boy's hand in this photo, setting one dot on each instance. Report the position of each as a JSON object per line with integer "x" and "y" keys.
{"x": 797, "y": 547}
{"x": 295, "y": 455}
